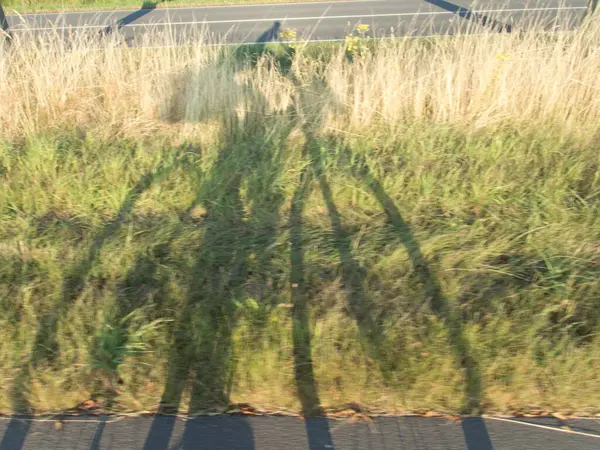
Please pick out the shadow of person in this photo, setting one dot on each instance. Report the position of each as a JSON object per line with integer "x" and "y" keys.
{"x": 219, "y": 433}
{"x": 271, "y": 35}
{"x": 359, "y": 303}
{"x": 233, "y": 229}
{"x": 201, "y": 351}
{"x": 476, "y": 434}
{"x": 46, "y": 345}
{"x": 268, "y": 46}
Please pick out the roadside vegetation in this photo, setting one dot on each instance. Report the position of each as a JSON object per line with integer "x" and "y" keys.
{"x": 410, "y": 225}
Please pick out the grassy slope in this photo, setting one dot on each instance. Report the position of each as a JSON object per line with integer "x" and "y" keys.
{"x": 321, "y": 245}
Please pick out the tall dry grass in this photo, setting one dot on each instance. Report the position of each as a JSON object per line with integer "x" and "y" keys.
{"x": 49, "y": 82}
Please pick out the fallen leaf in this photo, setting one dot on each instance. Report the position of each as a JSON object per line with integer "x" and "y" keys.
{"x": 220, "y": 409}
{"x": 198, "y": 212}
{"x": 58, "y": 425}
{"x": 560, "y": 417}
{"x": 242, "y": 408}
{"x": 345, "y": 413}
{"x": 356, "y": 418}
{"x": 455, "y": 419}
{"x": 355, "y": 406}
{"x": 88, "y": 405}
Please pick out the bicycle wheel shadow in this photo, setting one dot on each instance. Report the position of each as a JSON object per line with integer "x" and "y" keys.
{"x": 271, "y": 35}
{"x": 473, "y": 426}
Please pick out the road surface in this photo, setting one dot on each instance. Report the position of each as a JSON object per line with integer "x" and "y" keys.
{"x": 291, "y": 433}
{"x": 316, "y": 21}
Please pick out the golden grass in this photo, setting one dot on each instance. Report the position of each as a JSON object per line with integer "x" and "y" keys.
{"x": 474, "y": 81}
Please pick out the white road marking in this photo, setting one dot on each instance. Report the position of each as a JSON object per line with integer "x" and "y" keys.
{"x": 294, "y": 19}
{"x": 301, "y": 41}
{"x": 194, "y": 8}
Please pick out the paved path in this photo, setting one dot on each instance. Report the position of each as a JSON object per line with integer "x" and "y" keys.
{"x": 317, "y": 21}
{"x": 290, "y": 433}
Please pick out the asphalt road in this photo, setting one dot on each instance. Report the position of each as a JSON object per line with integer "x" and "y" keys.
{"x": 290, "y": 433}
{"x": 316, "y": 21}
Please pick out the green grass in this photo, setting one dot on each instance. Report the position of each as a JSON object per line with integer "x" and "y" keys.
{"x": 432, "y": 271}
{"x": 199, "y": 229}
